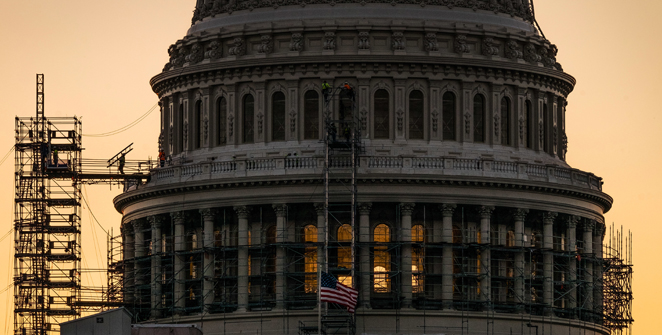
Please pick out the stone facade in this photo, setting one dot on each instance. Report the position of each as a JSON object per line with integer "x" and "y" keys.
{"x": 467, "y": 208}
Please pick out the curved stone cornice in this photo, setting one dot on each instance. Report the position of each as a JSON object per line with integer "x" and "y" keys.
{"x": 602, "y": 200}
{"x": 521, "y": 9}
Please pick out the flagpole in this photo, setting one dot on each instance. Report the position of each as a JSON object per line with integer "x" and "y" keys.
{"x": 319, "y": 299}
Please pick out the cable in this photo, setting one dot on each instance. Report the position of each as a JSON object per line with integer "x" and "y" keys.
{"x": 7, "y": 234}
{"x": 127, "y": 127}
{"x": 95, "y": 218}
{"x": 6, "y": 155}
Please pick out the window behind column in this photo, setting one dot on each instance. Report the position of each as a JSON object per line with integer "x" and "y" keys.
{"x": 505, "y": 121}
{"x": 417, "y": 259}
{"x": 382, "y": 112}
{"x": 249, "y": 115}
{"x": 381, "y": 259}
{"x": 344, "y": 237}
{"x": 448, "y": 116}
{"x": 310, "y": 259}
{"x": 278, "y": 117}
{"x": 311, "y": 116}
{"x": 479, "y": 119}
{"x": 416, "y": 121}
{"x": 221, "y": 116}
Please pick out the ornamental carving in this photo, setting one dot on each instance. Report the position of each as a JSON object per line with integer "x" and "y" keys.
{"x": 548, "y": 217}
{"x": 281, "y": 210}
{"x": 431, "y": 43}
{"x": 461, "y": 45}
{"x": 179, "y": 58}
{"x": 513, "y": 51}
{"x": 400, "y": 120}
{"x": 260, "y": 123}
{"x": 397, "y": 41}
{"x": 564, "y": 143}
{"x": 467, "y": 123}
{"x": 329, "y": 40}
{"x": 541, "y": 132}
{"x": 490, "y": 48}
{"x": 196, "y": 55}
{"x": 520, "y": 214}
{"x": 407, "y": 208}
{"x": 447, "y": 209}
{"x": 242, "y": 212}
{"x": 364, "y": 208}
{"x": 238, "y": 48}
{"x": 214, "y": 52}
{"x": 266, "y": 45}
{"x": 231, "y": 125}
{"x": 514, "y": 8}
{"x": 521, "y": 129}
{"x": 185, "y": 135}
{"x": 293, "y": 121}
{"x": 170, "y": 135}
{"x": 364, "y": 40}
{"x": 296, "y": 44}
{"x": 364, "y": 119}
{"x": 205, "y": 129}
{"x": 549, "y": 55}
{"x": 530, "y": 54}
{"x": 485, "y": 211}
{"x": 496, "y": 125}
{"x": 435, "y": 121}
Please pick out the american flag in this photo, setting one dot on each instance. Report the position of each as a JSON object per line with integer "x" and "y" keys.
{"x": 333, "y": 291}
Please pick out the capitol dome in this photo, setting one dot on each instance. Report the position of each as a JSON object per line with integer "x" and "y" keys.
{"x": 442, "y": 194}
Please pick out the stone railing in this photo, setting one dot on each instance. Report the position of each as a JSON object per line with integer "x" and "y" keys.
{"x": 374, "y": 166}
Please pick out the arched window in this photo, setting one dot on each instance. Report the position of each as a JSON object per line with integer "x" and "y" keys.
{"x": 448, "y": 116}
{"x": 528, "y": 117}
{"x": 310, "y": 259}
{"x": 416, "y": 123}
{"x": 180, "y": 132}
{"x": 249, "y": 115}
{"x": 381, "y": 260}
{"x": 505, "y": 121}
{"x": 382, "y": 112}
{"x": 221, "y": 116}
{"x": 479, "y": 119}
{"x": 344, "y": 235}
{"x": 311, "y": 127}
{"x": 270, "y": 235}
{"x": 198, "y": 124}
{"x": 278, "y": 117}
{"x": 544, "y": 128}
{"x": 417, "y": 259}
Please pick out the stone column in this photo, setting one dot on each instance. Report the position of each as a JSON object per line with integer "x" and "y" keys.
{"x": 127, "y": 256}
{"x": 242, "y": 257}
{"x": 179, "y": 297}
{"x": 548, "y": 260}
{"x": 571, "y": 232}
{"x": 597, "y": 267}
{"x": 364, "y": 254}
{"x": 519, "y": 215}
{"x": 140, "y": 252}
{"x": 485, "y": 254}
{"x": 281, "y": 212}
{"x": 587, "y": 256}
{"x": 447, "y": 255}
{"x": 406, "y": 210}
{"x": 155, "y": 223}
{"x": 209, "y": 258}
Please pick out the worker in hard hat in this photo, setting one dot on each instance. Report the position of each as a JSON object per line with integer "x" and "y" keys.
{"x": 122, "y": 161}
{"x": 326, "y": 89}
{"x": 161, "y": 158}
{"x": 55, "y": 157}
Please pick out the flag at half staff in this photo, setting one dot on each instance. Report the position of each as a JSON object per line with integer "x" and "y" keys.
{"x": 333, "y": 291}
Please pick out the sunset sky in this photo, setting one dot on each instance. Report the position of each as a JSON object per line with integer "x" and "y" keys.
{"x": 98, "y": 58}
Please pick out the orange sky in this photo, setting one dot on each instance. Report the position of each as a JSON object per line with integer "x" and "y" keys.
{"x": 98, "y": 57}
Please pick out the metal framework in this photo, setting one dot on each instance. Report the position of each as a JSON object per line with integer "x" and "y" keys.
{"x": 617, "y": 282}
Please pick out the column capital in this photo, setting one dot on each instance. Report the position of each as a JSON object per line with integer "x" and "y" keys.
{"x": 138, "y": 224}
{"x": 447, "y": 209}
{"x": 365, "y": 208}
{"x": 319, "y": 208}
{"x": 207, "y": 213}
{"x": 406, "y": 208}
{"x": 126, "y": 228}
{"x": 280, "y": 209}
{"x": 485, "y": 211}
{"x": 178, "y": 217}
{"x": 599, "y": 229}
{"x": 242, "y": 211}
{"x": 520, "y": 214}
{"x": 156, "y": 221}
{"x": 589, "y": 225}
{"x": 572, "y": 220}
{"x": 548, "y": 217}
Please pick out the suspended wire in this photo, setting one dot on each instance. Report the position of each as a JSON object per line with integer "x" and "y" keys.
{"x": 95, "y": 218}
{"x": 7, "y": 234}
{"x": 127, "y": 127}
{"x": 6, "y": 155}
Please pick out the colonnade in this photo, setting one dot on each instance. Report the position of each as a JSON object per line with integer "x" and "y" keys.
{"x": 506, "y": 243}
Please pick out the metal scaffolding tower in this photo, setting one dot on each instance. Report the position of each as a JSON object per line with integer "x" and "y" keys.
{"x": 47, "y": 223}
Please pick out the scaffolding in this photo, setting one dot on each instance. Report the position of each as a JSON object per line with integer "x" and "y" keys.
{"x": 617, "y": 281}
{"x": 47, "y": 222}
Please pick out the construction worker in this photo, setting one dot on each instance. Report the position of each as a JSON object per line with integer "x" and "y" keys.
{"x": 161, "y": 158}
{"x": 347, "y": 132}
{"x": 349, "y": 91}
{"x": 122, "y": 161}
{"x": 55, "y": 158}
{"x": 333, "y": 132}
{"x": 326, "y": 89}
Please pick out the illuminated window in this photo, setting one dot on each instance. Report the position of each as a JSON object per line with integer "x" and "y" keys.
{"x": 344, "y": 252}
{"x": 416, "y": 105}
{"x": 382, "y": 260}
{"x": 278, "y": 117}
{"x": 271, "y": 258}
{"x": 448, "y": 117}
{"x": 417, "y": 259}
{"x": 457, "y": 234}
{"x": 479, "y": 118}
{"x": 249, "y": 115}
{"x": 382, "y": 112}
{"x": 510, "y": 239}
{"x": 310, "y": 259}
